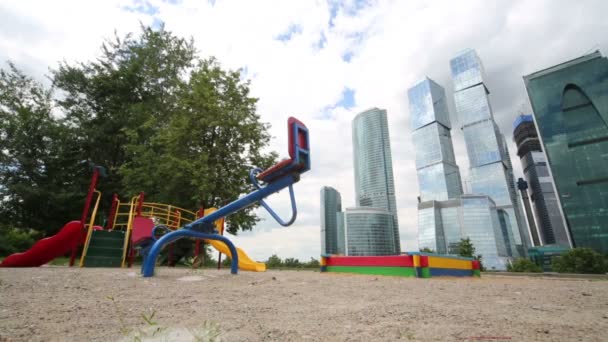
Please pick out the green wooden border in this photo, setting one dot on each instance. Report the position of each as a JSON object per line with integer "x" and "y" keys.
{"x": 371, "y": 270}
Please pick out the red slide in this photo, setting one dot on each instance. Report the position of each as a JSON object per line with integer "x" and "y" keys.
{"x": 47, "y": 249}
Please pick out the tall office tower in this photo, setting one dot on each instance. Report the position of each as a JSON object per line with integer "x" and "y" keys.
{"x": 374, "y": 183}
{"x": 332, "y": 229}
{"x": 438, "y": 174}
{"x": 369, "y": 231}
{"x": 490, "y": 171}
{"x": 547, "y": 210}
{"x": 570, "y": 104}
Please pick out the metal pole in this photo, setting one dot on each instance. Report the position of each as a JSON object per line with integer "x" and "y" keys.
{"x": 85, "y": 212}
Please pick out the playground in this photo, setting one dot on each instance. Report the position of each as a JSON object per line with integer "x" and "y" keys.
{"x": 104, "y": 296}
{"x": 106, "y": 304}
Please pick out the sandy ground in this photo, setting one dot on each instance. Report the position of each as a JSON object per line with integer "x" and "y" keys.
{"x": 73, "y": 304}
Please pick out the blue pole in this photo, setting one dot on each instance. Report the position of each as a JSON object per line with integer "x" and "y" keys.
{"x": 150, "y": 261}
{"x": 246, "y": 201}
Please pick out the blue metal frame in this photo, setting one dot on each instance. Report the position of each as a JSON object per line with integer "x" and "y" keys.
{"x": 288, "y": 176}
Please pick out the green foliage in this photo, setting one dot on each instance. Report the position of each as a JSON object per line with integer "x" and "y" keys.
{"x": 227, "y": 261}
{"x": 292, "y": 263}
{"x": 274, "y": 262}
{"x": 159, "y": 118}
{"x": 313, "y": 263}
{"x": 426, "y": 250}
{"x": 580, "y": 260}
{"x": 523, "y": 265}
{"x": 465, "y": 248}
{"x": 37, "y": 165}
{"x": 13, "y": 240}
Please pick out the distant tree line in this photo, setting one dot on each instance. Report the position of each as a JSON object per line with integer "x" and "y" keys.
{"x": 157, "y": 116}
{"x": 275, "y": 262}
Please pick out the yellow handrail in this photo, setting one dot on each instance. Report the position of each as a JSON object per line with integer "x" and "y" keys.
{"x": 128, "y": 232}
{"x": 174, "y": 218}
{"x": 116, "y": 213}
{"x": 90, "y": 230}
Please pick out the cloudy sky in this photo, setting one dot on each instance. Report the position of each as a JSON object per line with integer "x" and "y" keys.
{"x": 324, "y": 62}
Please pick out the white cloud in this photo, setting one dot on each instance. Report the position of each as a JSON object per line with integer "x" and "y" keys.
{"x": 391, "y": 44}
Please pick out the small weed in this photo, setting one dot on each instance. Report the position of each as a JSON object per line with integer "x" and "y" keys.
{"x": 407, "y": 334}
{"x": 121, "y": 317}
{"x": 207, "y": 332}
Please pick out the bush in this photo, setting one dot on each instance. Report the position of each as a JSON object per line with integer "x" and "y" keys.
{"x": 580, "y": 260}
{"x": 13, "y": 240}
{"x": 523, "y": 265}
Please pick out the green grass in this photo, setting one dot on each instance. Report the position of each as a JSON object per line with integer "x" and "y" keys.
{"x": 62, "y": 261}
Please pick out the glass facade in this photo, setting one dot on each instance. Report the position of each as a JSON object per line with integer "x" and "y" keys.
{"x": 491, "y": 173}
{"x": 442, "y": 224}
{"x": 438, "y": 174}
{"x": 374, "y": 182}
{"x": 551, "y": 224}
{"x": 331, "y": 206}
{"x": 369, "y": 231}
{"x": 432, "y": 235}
{"x": 482, "y": 225}
{"x": 570, "y": 104}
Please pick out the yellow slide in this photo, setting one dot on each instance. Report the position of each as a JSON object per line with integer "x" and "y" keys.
{"x": 245, "y": 263}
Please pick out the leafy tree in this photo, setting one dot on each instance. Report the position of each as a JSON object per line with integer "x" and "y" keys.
{"x": 313, "y": 263}
{"x": 274, "y": 262}
{"x": 39, "y": 171}
{"x": 580, "y": 260}
{"x": 466, "y": 248}
{"x": 292, "y": 263}
{"x": 124, "y": 97}
{"x": 163, "y": 121}
{"x": 13, "y": 240}
{"x": 204, "y": 155}
{"x": 426, "y": 250}
{"x": 523, "y": 265}
{"x": 226, "y": 262}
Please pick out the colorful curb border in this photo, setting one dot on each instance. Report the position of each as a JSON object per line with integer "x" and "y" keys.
{"x": 419, "y": 265}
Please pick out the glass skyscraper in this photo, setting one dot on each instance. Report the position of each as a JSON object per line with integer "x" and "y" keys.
{"x": 570, "y": 104}
{"x": 445, "y": 215}
{"x": 369, "y": 231}
{"x": 374, "y": 182}
{"x": 438, "y": 174}
{"x": 442, "y": 224}
{"x": 332, "y": 229}
{"x": 551, "y": 224}
{"x": 490, "y": 167}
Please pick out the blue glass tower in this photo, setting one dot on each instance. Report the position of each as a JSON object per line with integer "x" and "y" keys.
{"x": 374, "y": 182}
{"x": 490, "y": 167}
{"x": 332, "y": 230}
{"x": 438, "y": 174}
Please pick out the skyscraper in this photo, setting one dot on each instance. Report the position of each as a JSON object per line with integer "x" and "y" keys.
{"x": 438, "y": 174}
{"x": 490, "y": 167}
{"x": 369, "y": 231}
{"x": 570, "y": 104}
{"x": 374, "y": 182}
{"x": 551, "y": 224}
{"x": 442, "y": 225}
{"x": 332, "y": 229}
{"x": 445, "y": 215}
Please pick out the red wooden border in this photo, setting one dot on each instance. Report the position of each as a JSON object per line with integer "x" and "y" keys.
{"x": 389, "y": 260}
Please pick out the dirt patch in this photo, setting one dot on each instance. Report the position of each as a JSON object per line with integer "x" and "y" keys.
{"x": 74, "y": 304}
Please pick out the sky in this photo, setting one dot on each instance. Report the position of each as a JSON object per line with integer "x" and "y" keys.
{"x": 324, "y": 62}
